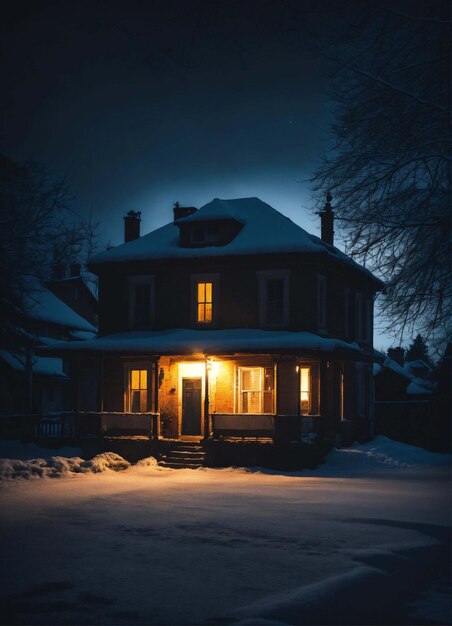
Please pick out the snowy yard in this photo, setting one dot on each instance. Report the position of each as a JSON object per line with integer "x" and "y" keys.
{"x": 363, "y": 539}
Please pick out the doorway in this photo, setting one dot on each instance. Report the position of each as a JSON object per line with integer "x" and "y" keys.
{"x": 191, "y": 406}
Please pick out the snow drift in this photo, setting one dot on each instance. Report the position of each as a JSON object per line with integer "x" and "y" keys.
{"x": 59, "y": 466}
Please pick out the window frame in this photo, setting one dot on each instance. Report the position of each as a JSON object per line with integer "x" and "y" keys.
{"x": 133, "y": 282}
{"x": 263, "y": 277}
{"x": 314, "y": 387}
{"x": 322, "y": 315}
{"x": 140, "y": 366}
{"x": 204, "y": 278}
{"x": 262, "y": 391}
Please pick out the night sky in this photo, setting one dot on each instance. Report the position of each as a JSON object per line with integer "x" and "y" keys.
{"x": 141, "y": 104}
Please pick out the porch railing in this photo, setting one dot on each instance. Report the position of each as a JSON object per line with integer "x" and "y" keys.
{"x": 117, "y": 424}
{"x": 281, "y": 428}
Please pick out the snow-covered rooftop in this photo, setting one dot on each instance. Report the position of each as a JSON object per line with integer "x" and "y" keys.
{"x": 43, "y": 305}
{"x": 265, "y": 231}
{"x": 42, "y": 365}
{"x": 187, "y": 341}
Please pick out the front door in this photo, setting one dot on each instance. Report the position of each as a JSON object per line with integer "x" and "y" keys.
{"x": 191, "y": 406}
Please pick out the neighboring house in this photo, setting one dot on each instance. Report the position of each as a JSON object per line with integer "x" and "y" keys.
{"x": 74, "y": 291}
{"x": 231, "y": 321}
{"x": 404, "y": 396}
{"x": 40, "y": 384}
{"x": 400, "y": 381}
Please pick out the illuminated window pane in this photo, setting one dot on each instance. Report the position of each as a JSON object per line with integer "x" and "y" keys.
{"x": 256, "y": 390}
{"x": 135, "y": 379}
{"x": 205, "y": 302}
{"x": 305, "y": 389}
{"x": 143, "y": 379}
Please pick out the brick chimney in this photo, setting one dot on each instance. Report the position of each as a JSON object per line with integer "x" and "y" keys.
{"x": 397, "y": 355}
{"x": 75, "y": 269}
{"x": 132, "y": 226}
{"x": 327, "y": 221}
{"x": 182, "y": 211}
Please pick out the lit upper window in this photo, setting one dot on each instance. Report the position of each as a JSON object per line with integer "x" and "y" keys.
{"x": 204, "y": 302}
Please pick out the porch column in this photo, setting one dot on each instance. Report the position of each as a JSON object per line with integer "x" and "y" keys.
{"x": 206, "y": 401}
{"x": 101, "y": 384}
{"x": 299, "y": 392}
{"x": 156, "y": 418}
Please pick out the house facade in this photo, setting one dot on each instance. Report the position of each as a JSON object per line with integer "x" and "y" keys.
{"x": 230, "y": 323}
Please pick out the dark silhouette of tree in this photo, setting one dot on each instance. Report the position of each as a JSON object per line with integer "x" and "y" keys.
{"x": 418, "y": 350}
{"x": 389, "y": 166}
{"x": 38, "y": 229}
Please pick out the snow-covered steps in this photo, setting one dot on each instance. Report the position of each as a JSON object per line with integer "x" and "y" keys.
{"x": 184, "y": 456}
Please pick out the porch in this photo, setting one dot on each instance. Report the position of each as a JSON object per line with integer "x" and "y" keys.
{"x": 224, "y": 426}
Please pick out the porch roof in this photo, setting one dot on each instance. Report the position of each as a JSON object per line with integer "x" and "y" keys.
{"x": 179, "y": 341}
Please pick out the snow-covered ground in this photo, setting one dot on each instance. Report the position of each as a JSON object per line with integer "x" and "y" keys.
{"x": 362, "y": 540}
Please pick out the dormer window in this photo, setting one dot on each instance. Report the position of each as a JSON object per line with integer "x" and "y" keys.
{"x": 200, "y": 233}
{"x": 204, "y": 234}
{"x": 205, "y": 299}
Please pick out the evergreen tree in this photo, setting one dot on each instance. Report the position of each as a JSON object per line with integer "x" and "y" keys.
{"x": 418, "y": 350}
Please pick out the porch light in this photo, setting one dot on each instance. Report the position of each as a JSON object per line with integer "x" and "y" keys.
{"x": 213, "y": 367}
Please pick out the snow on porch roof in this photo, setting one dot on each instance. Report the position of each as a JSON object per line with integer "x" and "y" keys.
{"x": 190, "y": 342}
{"x": 265, "y": 231}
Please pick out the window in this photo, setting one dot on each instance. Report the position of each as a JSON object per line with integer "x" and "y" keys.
{"x": 305, "y": 390}
{"x": 137, "y": 390}
{"x": 367, "y": 321}
{"x": 204, "y": 299}
{"x": 359, "y": 316}
{"x": 274, "y": 298}
{"x": 321, "y": 303}
{"x": 205, "y": 234}
{"x": 255, "y": 386}
{"x": 363, "y": 318}
{"x": 141, "y": 301}
{"x": 347, "y": 334}
{"x": 308, "y": 374}
{"x": 204, "y": 303}
{"x": 362, "y": 389}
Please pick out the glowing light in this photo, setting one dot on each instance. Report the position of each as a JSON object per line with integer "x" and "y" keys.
{"x": 192, "y": 370}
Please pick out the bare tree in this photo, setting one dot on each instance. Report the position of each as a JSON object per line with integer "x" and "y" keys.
{"x": 389, "y": 164}
{"x": 38, "y": 228}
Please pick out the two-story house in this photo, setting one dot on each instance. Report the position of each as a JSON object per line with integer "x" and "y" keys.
{"x": 232, "y": 321}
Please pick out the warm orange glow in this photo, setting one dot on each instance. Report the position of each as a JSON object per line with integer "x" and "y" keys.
{"x": 205, "y": 300}
{"x": 139, "y": 379}
{"x": 305, "y": 387}
{"x": 191, "y": 370}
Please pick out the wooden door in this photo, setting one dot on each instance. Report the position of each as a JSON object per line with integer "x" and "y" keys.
{"x": 191, "y": 406}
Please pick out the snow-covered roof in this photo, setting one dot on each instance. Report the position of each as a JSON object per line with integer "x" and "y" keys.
{"x": 188, "y": 341}
{"x": 415, "y": 385}
{"x": 265, "y": 231}
{"x": 42, "y": 365}
{"x": 43, "y": 305}
{"x": 419, "y": 364}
